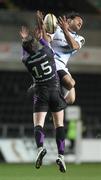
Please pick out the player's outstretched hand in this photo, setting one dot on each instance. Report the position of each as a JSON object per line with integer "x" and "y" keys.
{"x": 24, "y": 33}
{"x": 62, "y": 22}
{"x": 39, "y": 18}
{"x": 37, "y": 32}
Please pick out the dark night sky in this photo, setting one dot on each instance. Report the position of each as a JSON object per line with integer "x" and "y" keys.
{"x": 57, "y": 6}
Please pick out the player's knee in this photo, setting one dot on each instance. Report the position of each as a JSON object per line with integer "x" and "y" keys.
{"x": 58, "y": 123}
{"x": 70, "y": 99}
{"x": 38, "y": 128}
{"x": 72, "y": 83}
{"x": 69, "y": 83}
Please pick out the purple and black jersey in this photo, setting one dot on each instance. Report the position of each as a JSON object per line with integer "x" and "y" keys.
{"x": 42, "y": 66}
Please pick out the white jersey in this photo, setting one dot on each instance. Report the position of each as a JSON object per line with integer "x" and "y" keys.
{"x": 62, "y": 49}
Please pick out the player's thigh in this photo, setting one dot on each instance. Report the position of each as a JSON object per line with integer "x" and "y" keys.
{"x": 72, "y": 93}
{"x": 58, "y": 118}
{"x": 68, "y": 82}
{"x": 56, "y": 100}
{"x": 39, "y": 118}
{"x": 70, "y": 96}
{"x": 66, "y": 79}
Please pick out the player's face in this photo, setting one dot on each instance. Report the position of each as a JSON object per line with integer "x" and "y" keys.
{"x": 76, "y": 23}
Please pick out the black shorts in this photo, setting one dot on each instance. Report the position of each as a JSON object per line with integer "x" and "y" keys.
{"x": 61, "y": 74}
{"x": 48, "y": 98}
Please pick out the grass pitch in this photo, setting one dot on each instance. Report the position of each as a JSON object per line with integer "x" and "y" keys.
{"x": 50, "y": 172}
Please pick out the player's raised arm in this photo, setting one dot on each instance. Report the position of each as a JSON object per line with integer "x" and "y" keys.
{"x": 41, "y": 25}
{"x": 27, "y": 39}
{"x": 38, "y": 34}
{"x": 64, "y": 24}
{"x": 39, "y": 18}
{"x": 25, "y": 34}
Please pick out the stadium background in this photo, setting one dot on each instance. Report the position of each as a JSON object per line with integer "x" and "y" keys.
{"x": 16, "y": 105}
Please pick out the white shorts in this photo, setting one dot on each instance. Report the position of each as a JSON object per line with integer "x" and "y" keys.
{"x": 61, "y": 66}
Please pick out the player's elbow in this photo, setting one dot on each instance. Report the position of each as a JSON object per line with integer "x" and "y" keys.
{"x": 72, "y": 83}
{"x": 76, "y": 46}
{"x": 70, "y": 100}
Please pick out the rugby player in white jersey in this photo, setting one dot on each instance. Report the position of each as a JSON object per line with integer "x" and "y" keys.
{"x": 65, "y": 42}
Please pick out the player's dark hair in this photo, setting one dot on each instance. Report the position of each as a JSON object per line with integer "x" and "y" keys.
{"x": 73, "y": 14}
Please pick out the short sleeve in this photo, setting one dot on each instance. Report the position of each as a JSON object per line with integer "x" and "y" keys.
{"x": 80, "y": 40}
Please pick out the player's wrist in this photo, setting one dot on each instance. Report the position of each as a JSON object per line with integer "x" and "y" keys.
{"x": 27, "y": 38}
{"x": 42, "y": 41}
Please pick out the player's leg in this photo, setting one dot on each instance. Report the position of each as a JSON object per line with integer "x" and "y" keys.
{"x": 57, "y": 106}
{"x": 40, "y": 109}
{"x": 68, "y": 82}
{"x": 38, "y": 119}
{"x": 31, "y": 91}
{"x": 70, "y": 96}
{"x": 60, "y": 138}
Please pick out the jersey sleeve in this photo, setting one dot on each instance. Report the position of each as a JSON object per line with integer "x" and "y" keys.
{"x": 45, "y": 43}
{"x": 80, "y": 40}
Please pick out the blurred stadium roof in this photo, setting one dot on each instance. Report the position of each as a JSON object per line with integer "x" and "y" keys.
{"x": 57, "y": 6}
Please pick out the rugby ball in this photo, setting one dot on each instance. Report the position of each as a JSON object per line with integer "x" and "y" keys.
{"x": 50, "y": 23}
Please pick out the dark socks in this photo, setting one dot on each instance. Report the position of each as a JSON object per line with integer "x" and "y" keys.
{"x": 60, "y": 139}
{"x": 39, "y": 136}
